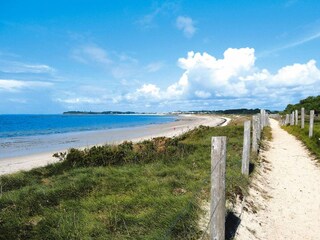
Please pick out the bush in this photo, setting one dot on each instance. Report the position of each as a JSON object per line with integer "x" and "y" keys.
{"x": 75, "y": 157}
{"x": 127, "y": 152}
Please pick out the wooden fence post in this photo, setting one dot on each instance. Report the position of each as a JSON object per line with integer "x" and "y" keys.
{"x": 302, "y": 117}
{"x": 259, "y": 126}
{"x": 297, "y": 117}
{"x": 262, "y": 118}
{"x": 218, "y": 185}
{"x": 246, "y": 148}
{"x": 266, "y": 116}
{"x": 290, "y": 115}
{"x": 311, "y": 123}
{"x": 292, "y": 119}
{"x": 255, "y": 129}
{"x": 287, "y": 119}
{"x": 267, "y": 119}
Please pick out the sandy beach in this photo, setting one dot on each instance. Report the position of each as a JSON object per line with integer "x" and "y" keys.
{"x": 39, "y": 151}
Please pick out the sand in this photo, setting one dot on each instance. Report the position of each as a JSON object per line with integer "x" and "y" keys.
{"x": 284, "y": 201}
{"x": 115, "y": 136}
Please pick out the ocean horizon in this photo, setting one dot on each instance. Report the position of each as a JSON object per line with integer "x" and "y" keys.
{"x": 23, "y": 125}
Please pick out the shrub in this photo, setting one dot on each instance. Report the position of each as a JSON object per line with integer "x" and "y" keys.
{"x": 127, "y": 152}
{"x": 75, "y": 157}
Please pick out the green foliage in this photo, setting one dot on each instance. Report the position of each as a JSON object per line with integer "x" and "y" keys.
{"x": 313, "y": 143}
{"x": 309, "y": 103}
{"x": 147, "y": 151}
{"x": 148, "y": 190}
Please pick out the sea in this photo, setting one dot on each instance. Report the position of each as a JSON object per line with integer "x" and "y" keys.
{"x": 17, "y": 125}
{"x": 22, "y": 134}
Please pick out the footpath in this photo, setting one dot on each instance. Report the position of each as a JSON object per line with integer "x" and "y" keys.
{"x": 284, "y": 201}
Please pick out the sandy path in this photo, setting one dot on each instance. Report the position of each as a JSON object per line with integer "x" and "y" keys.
{"x": 286, "y": 193}
{"x": 27, "y": 162}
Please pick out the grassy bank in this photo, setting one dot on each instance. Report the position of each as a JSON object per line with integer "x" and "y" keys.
{"x": 313, "y": 144}
{"x": 149, "y": 190}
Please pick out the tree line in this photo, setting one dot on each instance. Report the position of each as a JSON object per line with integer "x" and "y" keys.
{"x": 309, "y": 103}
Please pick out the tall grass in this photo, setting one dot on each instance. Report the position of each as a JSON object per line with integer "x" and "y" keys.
{"x": 148, "y": 190}
{"x": 313, "y": 143}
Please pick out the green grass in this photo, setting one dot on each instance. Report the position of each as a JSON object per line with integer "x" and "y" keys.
{"x": 313, "y": 143}
{"x": 149, "y": 190}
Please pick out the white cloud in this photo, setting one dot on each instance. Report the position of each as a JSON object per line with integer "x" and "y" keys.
{"x": 88, "y": 53}
{"x": 40, "y": 68}
{"x": 236, "y": 77}
{"x": 300, "y": 42}
{"x": 148, "y": 21}
{"x": 11, "y": 85}
{"x": 154, "y": 67}
{"x": 19, "y": 67}
{"x": 297, "y": 75}
{"x": 123, "y": 57}
{"x": 18, "y": 100}
{"x": 186, "y": 24}
{"x": 314, "y": 35}
{"x": 119, "y": 65}
{"x": 82, "y": 95}
{"x": 202, "y": 94}
{"x": 220, "y": 77}
{"x": 149, "y": 89}
{"x": 79, "y": 100}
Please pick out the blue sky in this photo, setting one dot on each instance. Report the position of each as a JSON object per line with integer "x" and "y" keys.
{"x": 157, "y": 55}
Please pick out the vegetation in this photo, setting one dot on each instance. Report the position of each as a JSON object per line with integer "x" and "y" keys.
{"x": 104, "y": 112}
{"x": 309, "y": 103}
{"x": 148, "y": 190}
{"x": 242, "y": 111}
{"x": 313, "y": 143}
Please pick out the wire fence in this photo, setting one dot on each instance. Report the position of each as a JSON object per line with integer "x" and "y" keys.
{"x": 193, "y": 201}
{"x": 293, "y": 120}
{"x": 204, "y": 233}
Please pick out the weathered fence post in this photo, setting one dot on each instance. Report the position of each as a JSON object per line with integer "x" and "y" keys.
{"x": 292, "y": 119}
{"x": 218, "y": 185}
{"x": 255, "y": 130}
{"x": 302, "y": 117}
{"x": 287, "y": 119}
{"x": 268, "y": 119}
{"x": 262, "y": 118}
{"x": 297, "y": 117}
{"x": 290, "y": 115}
{"x": 259, "y": 126}
{"x": 246, "y": 148}
{"x": 311, "y": 123}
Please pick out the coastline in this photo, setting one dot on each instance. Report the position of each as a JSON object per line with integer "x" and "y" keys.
{"x": 113, "y": 136}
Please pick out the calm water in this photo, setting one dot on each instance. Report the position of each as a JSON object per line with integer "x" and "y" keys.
{"x": 12, "y": 126}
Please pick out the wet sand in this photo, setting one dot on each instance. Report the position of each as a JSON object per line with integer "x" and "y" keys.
{"x": 30, "y": 152}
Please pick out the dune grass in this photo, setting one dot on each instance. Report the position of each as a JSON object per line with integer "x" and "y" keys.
{"x": 149, "y": 190}
{"x": 313, "y": 143}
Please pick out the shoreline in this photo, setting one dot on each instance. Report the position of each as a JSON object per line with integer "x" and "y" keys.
{"x": 85, "y": 129}
{"x": 81, "y": 140}
{"x": 30, "y": 145}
